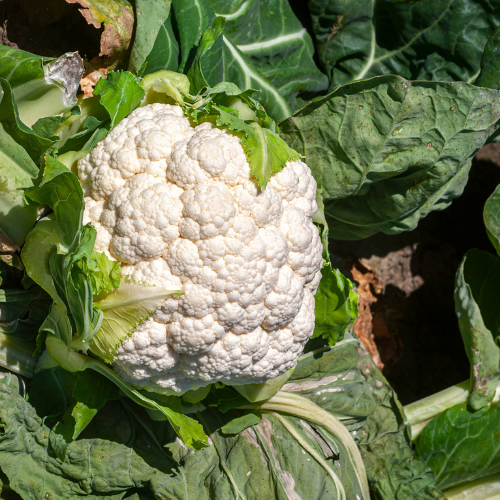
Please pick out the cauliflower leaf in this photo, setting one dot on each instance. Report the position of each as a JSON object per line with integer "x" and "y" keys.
{"x": 124, "y": 309}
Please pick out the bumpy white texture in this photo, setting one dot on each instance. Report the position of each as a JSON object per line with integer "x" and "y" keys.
{"x": 179, "y": 208}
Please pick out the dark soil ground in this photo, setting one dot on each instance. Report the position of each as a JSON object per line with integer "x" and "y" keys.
{"x": 405, "y": 282}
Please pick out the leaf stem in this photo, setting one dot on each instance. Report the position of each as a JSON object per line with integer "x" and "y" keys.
{"x": 420, "y": 413}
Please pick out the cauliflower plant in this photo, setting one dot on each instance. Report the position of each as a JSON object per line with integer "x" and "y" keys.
{"x": 177, "y": 205}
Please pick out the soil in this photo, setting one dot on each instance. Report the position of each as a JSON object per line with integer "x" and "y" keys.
{"x": 47, "y": 28}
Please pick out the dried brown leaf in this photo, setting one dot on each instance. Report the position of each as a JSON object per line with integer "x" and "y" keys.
{"x": 118, "y": 19}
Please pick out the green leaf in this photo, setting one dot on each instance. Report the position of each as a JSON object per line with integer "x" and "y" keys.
{"x": 57, "y": 323}
{"x": 151, "y": 19}
{"x": 16, "y": 354}
{"x": 265, "y": 390}
{"x": 239, "y": 424}
{"x": 477, "y": 289}
{"x": 20, "y": 67}
{"x": 192, "y": 17}
{"x": 336, "y": 305}
{"x": 123, "y": 310}
{"x": 209, "y": 38}
{"x": 461, "y": 445}
{"x": 426, "y": 40}
{"x": 34, "y": 144}
{"x": 106, "y": 468}
{"x": 90, "y": 393}
{"x": 222, "y": 61}
{"x": 76, "y": 123}
{"x": 14, "y": 303}
{"x": 491, "y": 217}
{"x": 120, "y": 94}
{"x": 75, "y": 289}
{"x": 379, "y": 169}
{"x": 490, "y": 63}
{"x": 392, "y": 469}
{"x": 61, "y": 190}
{"x": 165, "y": 52}
{"x": 105, "y": 274}
{"x": 17, "y": 216}
{"x": 269, "y": 35}
{"x": 50, "y": 391}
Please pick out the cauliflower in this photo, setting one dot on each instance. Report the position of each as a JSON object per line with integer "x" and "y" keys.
{"x": 177, "y": 205}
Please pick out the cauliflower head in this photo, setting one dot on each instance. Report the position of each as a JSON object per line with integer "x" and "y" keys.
{"x": 177, "y": 205}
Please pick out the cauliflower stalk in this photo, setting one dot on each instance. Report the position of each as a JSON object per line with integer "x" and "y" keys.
{"x": 179, "y": 207}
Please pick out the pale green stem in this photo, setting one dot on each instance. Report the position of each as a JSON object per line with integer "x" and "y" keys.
{"x": 420, "y": 413}
{"x": 487, "y": 488}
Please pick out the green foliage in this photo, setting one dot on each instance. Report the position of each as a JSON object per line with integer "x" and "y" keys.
{"x": 387, "y": 151}
{"x": 490, "y": 63}
{"x": 141, "y": 454}
{"x": 491, "y": 216}
{"x": 151, "y": 19}
{"x": 271, "y": 38}
{"x": 336, "y": 305}
{"x": 461, "y": 445}
{"x": 17, "y": 215}
{"x": 425, "y": 40}
{"x": 476, "y": 305}
{"x": 120, "y": 94}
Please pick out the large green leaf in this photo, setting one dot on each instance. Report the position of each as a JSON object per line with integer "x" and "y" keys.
{"x": 429, "y": 40}
{"x": 151, "y": 18}
{"x": 17, "y": 216}
{"x": 61, "y": 190}
{"x": 34, "y": 144}
{"x": 490, "y": 63}
{"x": 386, "y": 151}
{"x": 165, "y": 51}
{"x": 223, "y": 62}
{"x": 491, "y": 216}
{"x": 461, "y": 445}
{"x": 268, "y": 34}
{"x": 19, "y": 67}
{"x": 91, "y": 468}
{"x": 476, "y": 304}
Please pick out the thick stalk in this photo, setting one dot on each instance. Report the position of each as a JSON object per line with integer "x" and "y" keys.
{"x": 420, "y": 413}
{"x": 299, "y": 406}
{"x": 487, "y": 488}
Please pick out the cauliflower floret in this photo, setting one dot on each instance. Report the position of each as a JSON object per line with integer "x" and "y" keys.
{"x": 297, "y": 186}
{"x": 179, "y": 208}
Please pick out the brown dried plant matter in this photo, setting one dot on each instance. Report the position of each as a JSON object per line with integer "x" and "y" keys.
{"x": 374, "y": 328}
{"x": 117, "y": 17}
